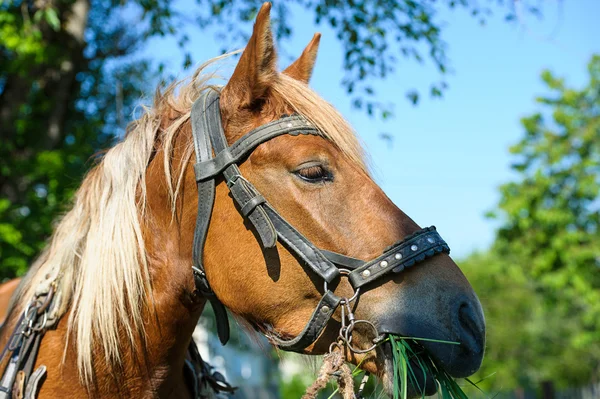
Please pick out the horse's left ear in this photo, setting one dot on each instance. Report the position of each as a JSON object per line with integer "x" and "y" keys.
{"x": 302, "y": 68}
{"x": 257, "y": 66}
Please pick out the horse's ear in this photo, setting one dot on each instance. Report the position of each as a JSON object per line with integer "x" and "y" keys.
{"x": 302, "y": 68}
{"x": 257, "y": 66}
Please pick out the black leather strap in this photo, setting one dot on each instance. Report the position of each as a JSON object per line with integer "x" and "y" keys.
{"x": 315, "y": 326}
{"x": 416, "y": 248}
{"x": 302, "y": 247}
{"x": 206, "y": 199}
{"x": 244, "y": 146}
{"x": 240, "y": 192}
{"x": 344, "y": 261}
{"x": 249, "y": 206}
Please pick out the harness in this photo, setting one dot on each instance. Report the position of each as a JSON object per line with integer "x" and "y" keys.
{"x": 20, "y": 381}
{"x": 271, "y": 227}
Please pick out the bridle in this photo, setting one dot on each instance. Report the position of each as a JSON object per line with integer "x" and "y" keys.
{"x": 42, "y": 312}
{"x": 271, "y": 227}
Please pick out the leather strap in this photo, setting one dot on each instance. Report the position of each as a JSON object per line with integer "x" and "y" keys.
{"x": 346, "y": 262}
{"x": 35, "y": 382}
{"x": 212, "y": 168}
{"x": 206, "y": 199}
{"x": 315, "y": 326}
{"x": 240, "y": 193}
{"x": 302, "y": 247}
{"x": 249, "y": 206}
{"x": 23, "y": 346}
{"x": 413, "y": 249}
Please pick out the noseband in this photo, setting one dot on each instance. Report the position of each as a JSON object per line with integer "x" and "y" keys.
{"x": 271, "y": 227}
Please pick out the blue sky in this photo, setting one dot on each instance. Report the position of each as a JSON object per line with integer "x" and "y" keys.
{"x": 463, "y": 137}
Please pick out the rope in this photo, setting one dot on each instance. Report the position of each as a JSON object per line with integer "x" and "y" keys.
{"x": 333, "y": 366}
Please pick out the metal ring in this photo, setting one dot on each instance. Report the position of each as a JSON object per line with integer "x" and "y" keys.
{"x": 349, "y": 333}
{"x": 31, "y": 305}
{"x": 43, "y": 325}
{"x": 334, "y": 345}
{"x": 353, "y": 296}
{"x": 47, "y": 300}
{"x": 343, "y": 272}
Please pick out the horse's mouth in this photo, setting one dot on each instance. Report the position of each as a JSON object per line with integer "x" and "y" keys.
{"x": 422, "y": 383}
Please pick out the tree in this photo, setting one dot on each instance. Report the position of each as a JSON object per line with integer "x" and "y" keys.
{"x": 69, "y": 71}
{"x": 540, "y": 283}
{"x": 57, "y": 86}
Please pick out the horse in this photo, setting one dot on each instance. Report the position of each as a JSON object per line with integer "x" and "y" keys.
{"x": 7, "y": 290}
{"x": 254, "y": 197}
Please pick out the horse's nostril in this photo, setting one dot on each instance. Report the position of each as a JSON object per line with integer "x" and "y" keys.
{"x": 471, "y": 328}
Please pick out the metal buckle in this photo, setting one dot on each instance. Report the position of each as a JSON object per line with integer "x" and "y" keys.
{"x": 349, "y": 322}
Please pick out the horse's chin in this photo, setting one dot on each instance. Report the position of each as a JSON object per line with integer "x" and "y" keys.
{"x": 387, "y": 376}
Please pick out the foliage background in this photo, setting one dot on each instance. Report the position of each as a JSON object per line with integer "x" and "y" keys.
{"x": 70, "y": 70}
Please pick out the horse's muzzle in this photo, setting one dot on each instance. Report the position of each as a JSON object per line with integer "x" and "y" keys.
{"x": 462, "y": 322}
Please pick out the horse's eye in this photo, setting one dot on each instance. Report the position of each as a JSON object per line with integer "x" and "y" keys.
{"x": 314, "y": 174}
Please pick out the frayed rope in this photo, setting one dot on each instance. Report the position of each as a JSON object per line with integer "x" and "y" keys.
{"x": 333, "y": 366}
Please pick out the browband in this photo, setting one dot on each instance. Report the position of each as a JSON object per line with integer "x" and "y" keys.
{"x": 209, "y": 137}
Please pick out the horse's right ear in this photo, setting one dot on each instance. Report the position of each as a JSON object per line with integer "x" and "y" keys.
{"x": 257, "y": 66}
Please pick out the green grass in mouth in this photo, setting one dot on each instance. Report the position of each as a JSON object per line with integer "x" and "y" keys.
{"x": 406, "y": 351}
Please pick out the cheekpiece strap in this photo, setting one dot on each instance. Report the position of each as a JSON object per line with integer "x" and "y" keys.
{"x": 206, "y": 200}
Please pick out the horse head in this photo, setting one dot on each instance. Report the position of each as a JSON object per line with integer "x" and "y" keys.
{"x": 319, "y": 184}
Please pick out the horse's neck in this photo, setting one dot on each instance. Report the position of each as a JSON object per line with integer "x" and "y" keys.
{"x": 153, "y": 365}
{"x": 154, "y": 368}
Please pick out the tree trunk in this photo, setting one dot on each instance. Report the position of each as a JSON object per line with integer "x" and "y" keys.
{"x": 54, "y": 83}
{"x": 64, "y": 82}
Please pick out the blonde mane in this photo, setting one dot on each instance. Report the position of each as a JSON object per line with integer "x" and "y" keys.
{"x": 98, "y": 248}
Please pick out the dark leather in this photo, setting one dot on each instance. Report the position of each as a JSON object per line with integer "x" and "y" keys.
{"x": 239, "y": 190}
{"x": 249, "y": 206}
{"x": 416, "y": 248}
{"x": 206, "y": 199}
{"x": 271, "y": 226}
{"x": 35, "y": 382}
{"x": 23, "y": 346}
{"x": 346, "y": 262}
{"x": 315, "y": 326}
{"x": 246, "y": 144}
{"x": 302, "y": 247}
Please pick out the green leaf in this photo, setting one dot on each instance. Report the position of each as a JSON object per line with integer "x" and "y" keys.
{"x": 52, "y": 18}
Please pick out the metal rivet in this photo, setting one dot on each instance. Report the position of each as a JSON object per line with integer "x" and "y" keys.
{"x": 325, "y": 309}
{"x": 383, "y": 263}
{"x": 430, "y": 240}
{"x": 289, "y": 124}
{"x": 414, "y": 247}
{"x": 366, "y": 273}
{"x": 398, "y": 256}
